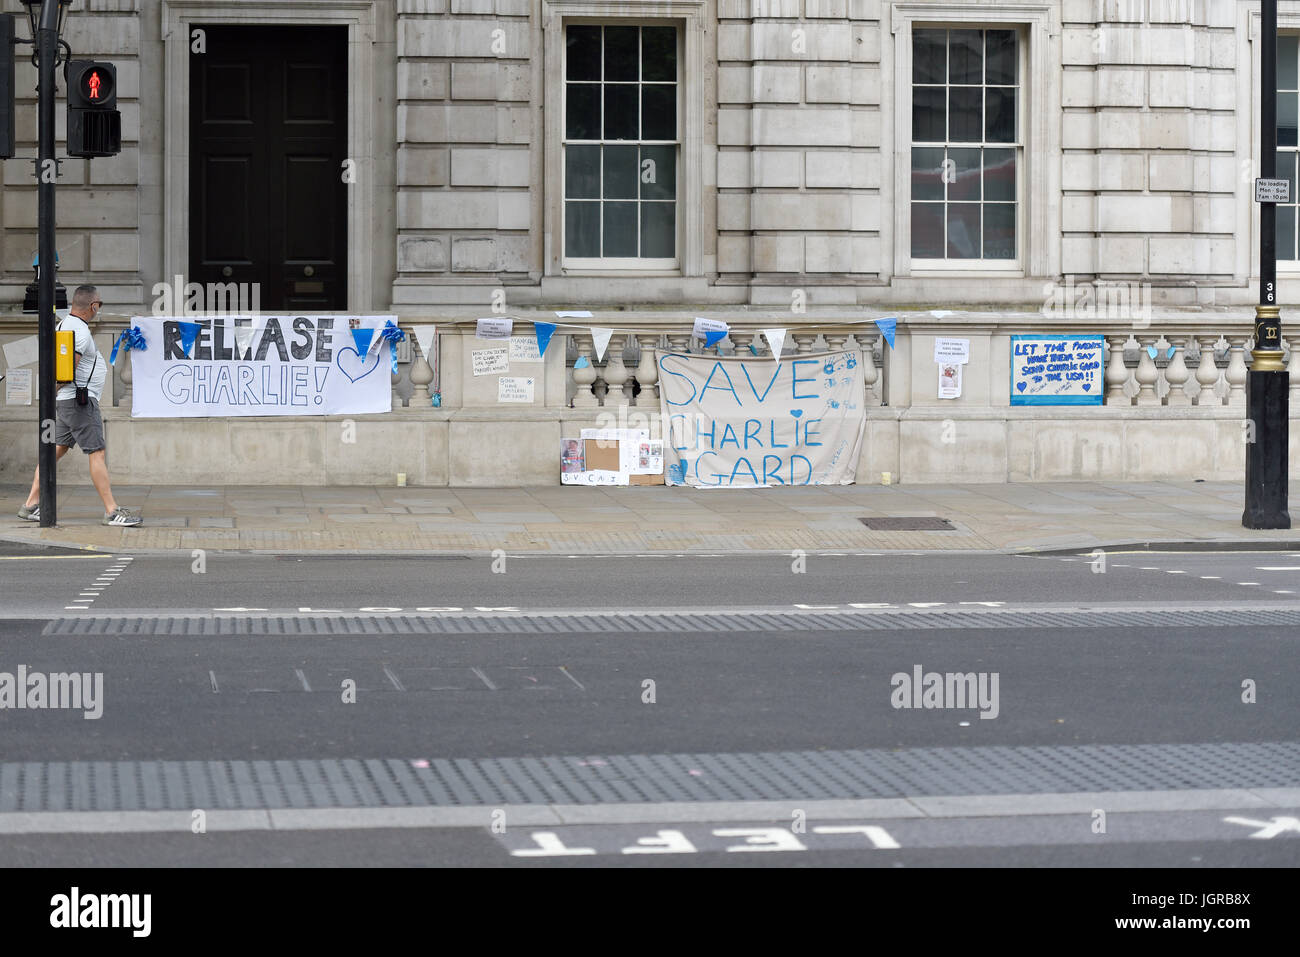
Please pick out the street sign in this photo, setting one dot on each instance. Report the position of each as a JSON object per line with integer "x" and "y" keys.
{"x": 1272, "y": 191}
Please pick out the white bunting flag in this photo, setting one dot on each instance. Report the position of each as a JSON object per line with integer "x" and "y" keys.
{"x": 775, "y": 340}
{"x": 424, "y": 337}
{"x": 600, "y": 337}
{"x": 244, "y": 336}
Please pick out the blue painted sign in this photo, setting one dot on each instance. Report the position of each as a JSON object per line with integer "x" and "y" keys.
{"x": 1057, "y": 370}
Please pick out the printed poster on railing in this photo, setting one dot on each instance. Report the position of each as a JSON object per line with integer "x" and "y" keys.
{"x": 748, "y": 423}
{"x": 261, "y": 365}
{"x": 1057, "y": 370}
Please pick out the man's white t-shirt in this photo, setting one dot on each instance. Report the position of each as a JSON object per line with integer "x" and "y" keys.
{"x": 92, "y": 368}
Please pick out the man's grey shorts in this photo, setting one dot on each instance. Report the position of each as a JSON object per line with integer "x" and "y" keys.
{"x": 78, "y": 425}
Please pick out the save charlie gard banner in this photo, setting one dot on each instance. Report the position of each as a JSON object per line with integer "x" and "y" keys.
{"x": 261, "y": 365}
{"x": 745, "y": 423}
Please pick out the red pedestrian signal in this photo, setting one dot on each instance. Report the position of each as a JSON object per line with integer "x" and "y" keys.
{"x": 94, "y": 123}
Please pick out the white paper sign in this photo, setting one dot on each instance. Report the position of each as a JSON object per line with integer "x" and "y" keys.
{"x": 951, "y": 350}
{"x": 22, "y": 352}
{"x": 594, "y": 477}
{"x": 573, "y": 314}
{"x": 492, "y": 361}
{"x": 950, "y": 380}
{"x": 705, "y": 326}
{"x": 494, "y": 328}
{"x": 515, "y": 389}
{"x": 300, "y": 365}
{"x": 524, "y": 349}
{"x": 18, "y": 387}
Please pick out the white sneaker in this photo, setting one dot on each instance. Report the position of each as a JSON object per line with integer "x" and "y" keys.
{"x": 121, "y": 516}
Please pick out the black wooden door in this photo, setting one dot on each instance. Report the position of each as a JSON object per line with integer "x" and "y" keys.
{"x": 268, "y": 140}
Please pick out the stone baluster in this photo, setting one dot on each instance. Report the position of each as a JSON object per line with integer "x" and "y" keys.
{"x": 1207, "y": 372}
{"x": 394, "y": 378}
{"x": 584, "y": 377}
{"x": 1293, "y": 370}
{"x": 618, "y": 381}
{"x": 1117, "y": 371}
{"x": 870, "y": 373}
{"x": 835, "y": 341}
{"x": 1236, "y": 374}
{"x": 803, "y": 341}
{"x": 647, "y": 371}
{"x": 740, "y": 341}
{"x": 421, "y": 377}
{"x": 1177, "y": 373}
{"x": 1147, "y": 373}
{"x": 679, "y": 344}
{"x": 124, "y": 397}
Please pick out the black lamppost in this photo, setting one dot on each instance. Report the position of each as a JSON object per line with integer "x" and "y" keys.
{"x": 1267, "y": 383}
{"x": 46, "y": 17}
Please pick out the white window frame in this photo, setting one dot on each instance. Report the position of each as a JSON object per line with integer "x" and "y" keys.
{"x": 1248, "y": 153}
{"x": 689, "y": 17}
{"x": 920, "y": 265}
{"x": 1038, "y": 199}
{"x": 588, "y": 263}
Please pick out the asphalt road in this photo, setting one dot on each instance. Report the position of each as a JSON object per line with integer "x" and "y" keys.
{"x": 741, "y": 694}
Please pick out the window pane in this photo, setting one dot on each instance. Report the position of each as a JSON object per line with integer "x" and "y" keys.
{"x": 1286, "y": 119}
{"x": 659, "y": 180}
{"x": 1286, "y": 62}
{"x": 659, "y": 230}
{"x": 582, "y": 111}
{"x": 1000, "y": 121}
{"x": 927, "y": 230}
{"x": 583, "y": 55}
{"x": 620, "y": 229}
{"x": 928, "y": 114}
{"x": 965, "y": 56}
{"x": 659, "y": 53}
{"x": 659, "y": 112}
{"x": 927, "y": 172}
{"x": 1286, "y": 232}
{"x": 582, "y": 229}
{"x": 582, "y": 172}
{"x": 621, "y": 53}
{"x": 999, "y": 231}
{"x": 620, "y": 112}
{"x": 963, "y": 230}
{"x": 1000, "y": 175}
{"x": 929, "y": 56}
{"x": 620, "y": 172}
{"x": 1001, "y": 64}
{"x": 966, "y": 119}
{"x": 1286, "y": 169}
{"x": 966, "y": 171}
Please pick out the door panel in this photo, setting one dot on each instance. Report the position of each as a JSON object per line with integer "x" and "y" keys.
{"x": 268, "y": 136}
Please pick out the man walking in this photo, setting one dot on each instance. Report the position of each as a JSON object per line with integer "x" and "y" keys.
{"x": 77, "y": 424}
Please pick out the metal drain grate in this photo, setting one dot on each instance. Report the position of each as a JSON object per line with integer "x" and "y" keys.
{"x": 656, "y": 622}
{"x": 919, "y": 523}
{"x": 616, "y": 779}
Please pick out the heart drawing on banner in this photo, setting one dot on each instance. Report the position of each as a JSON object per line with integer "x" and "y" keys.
{"x": 356, "y": 367}
{"x": 796, "y": 412}
{"x": 1020, "y": 386}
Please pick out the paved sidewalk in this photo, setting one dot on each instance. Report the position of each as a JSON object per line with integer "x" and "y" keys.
{"x": 582, "y": 520}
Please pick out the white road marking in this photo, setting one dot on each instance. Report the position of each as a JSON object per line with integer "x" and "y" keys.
{"x": 1247, "y": 583}
{"x": 1282, "y": 591}
{"x": 303, "y": 678}
{"x": 573, "y": 679}
{"x": 1277, "y": 568}
{"x": 393, "y": 679}
{"x": 1215, "y": 577}
{"x": 484, "y": 678}
{"x": 212, "y": 677}
{"x": 1175, "y": 572}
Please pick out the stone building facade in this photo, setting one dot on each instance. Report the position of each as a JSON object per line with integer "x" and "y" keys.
{"x": 763, "y": 161}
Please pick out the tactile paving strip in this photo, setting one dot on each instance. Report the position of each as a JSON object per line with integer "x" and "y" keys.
{"x": 666, "y": 622}
{"x": 782, "y": 775}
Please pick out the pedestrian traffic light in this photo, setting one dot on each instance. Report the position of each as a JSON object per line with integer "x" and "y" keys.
{"x": 94, "y": 123}
{"x": 7, "y": 37}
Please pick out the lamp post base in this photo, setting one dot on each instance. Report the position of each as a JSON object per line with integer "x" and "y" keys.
{"x": 1267, "y": 472}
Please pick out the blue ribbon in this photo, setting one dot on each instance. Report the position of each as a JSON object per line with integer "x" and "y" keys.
{"x": 394, "y": 335}
{"x": 132, "y": 338}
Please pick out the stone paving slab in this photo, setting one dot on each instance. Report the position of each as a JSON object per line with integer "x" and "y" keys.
{"x": 1002, "y": 518}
